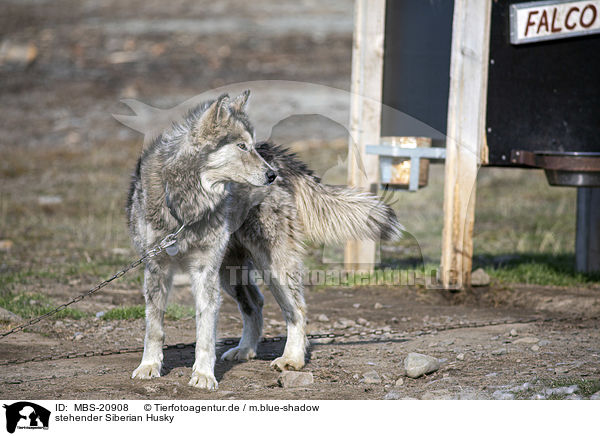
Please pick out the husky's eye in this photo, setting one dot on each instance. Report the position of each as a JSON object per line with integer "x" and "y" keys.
{"x": 242, "y": 146}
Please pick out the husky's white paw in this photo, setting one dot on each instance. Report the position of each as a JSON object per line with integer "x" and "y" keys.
{"x": 284, "y": 363}
{"x": 203, "y": 381}
{"x": 239, "y": 353}
{"x": 146, "y": 371}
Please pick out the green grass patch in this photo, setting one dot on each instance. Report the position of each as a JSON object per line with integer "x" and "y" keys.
{"x": 177, "y": 311}
{"x": 174, "y": 312}
{"x": 125, "y": 312}
{"x": 537, "y": 269}
{"x": 31, "y": 305}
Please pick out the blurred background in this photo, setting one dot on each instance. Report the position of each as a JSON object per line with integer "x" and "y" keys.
{"x": 66, "y": 161}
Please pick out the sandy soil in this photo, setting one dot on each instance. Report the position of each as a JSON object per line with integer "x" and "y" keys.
{"x": 71, "y": 63}
{"x": 484, "y": 362}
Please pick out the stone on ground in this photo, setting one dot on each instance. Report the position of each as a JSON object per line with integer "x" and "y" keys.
{"x": 417, "y": 364}
{"x": 8, "y": 316}
{"x": 371, "y": 378}
{"x": 295, "y": 379}
{"x": 480, "y": 278}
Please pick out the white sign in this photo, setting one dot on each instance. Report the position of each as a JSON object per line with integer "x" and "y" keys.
{"x": 539, "y": 21}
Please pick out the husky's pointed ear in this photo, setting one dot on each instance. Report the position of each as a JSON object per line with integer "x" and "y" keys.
{"x": 214, "y": 115}
{"x": 219, "y": 110}
{"x": 241, "y": 101}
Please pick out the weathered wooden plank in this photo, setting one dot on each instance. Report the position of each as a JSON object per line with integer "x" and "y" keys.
{"x": 365, "y": 113}
{"x": 465, "y": 144}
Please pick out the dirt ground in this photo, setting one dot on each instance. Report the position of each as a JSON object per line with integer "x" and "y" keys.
{"x": 65, "y": 65}
{"x": 476, "y": 363}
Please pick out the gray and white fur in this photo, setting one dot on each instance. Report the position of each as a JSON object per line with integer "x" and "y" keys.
{"x": 244, "y": 205}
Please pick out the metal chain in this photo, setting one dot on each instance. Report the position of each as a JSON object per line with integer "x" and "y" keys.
{"x": 167, "y": 241}
{"x": 331, "y": 335}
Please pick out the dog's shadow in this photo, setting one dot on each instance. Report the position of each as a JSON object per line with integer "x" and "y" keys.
{"x": 176, "y": 358}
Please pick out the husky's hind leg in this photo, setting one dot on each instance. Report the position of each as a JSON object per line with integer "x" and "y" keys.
{"x": 157, "y": 285}
{"x": 283, "y": 272}
{"x": 238, "y": 283}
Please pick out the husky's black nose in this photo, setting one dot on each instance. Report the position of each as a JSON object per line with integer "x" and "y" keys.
{"x": 271, "y": 176}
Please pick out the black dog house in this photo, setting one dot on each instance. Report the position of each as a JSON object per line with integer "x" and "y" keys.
{"x": 535, "y": 72}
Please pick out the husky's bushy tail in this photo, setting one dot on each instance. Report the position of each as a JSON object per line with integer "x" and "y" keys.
{"x": 331, "y": 214}
{"x": 334, "y": 214}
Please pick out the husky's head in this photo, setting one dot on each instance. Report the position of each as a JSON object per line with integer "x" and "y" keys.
{"x": 223, "y": 133}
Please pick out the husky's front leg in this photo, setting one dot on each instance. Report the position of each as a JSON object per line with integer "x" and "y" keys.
{"x": 204, "y": 278}
{"x": 157, "y": 284}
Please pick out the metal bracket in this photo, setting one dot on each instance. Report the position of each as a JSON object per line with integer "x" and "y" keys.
{"x": 386, "y": 154}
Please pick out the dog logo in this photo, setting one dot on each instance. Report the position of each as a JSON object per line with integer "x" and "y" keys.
{"x": 26, "y": 415}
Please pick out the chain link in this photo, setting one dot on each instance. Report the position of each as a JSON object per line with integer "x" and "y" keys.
{"x": 167, "y": 241}
{"x": 403, "y": 334}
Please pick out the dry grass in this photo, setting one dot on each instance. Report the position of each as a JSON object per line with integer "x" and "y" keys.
{"x": 84, "y": 237}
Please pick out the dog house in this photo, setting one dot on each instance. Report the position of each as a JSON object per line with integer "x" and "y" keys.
{"x": 503, "y": 83}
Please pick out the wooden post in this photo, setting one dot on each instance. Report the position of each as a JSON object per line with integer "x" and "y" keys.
{"x": 465, "y": 144}
{"x": 365, "y": 113}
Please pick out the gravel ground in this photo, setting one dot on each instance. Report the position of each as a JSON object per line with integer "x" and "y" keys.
{"x": 64, "y": 67}
{"x": 513, "y": 360}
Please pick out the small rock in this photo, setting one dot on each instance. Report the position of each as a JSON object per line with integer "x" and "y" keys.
{"x": 502, "y": 395}
{"x": 346, "y": 323}
{"x": 563, "y": 390}
{"x": 6, "y": 245}
{"x": 417, "y": 364}
{"x": 480, "y": 278}
{"x": 543, "y": 342}
{"x": 460, "y": 356}
{"x": 522, "y": 387}
{"x": 535, "y": 348}
{"x": 322, "y": 341}
{"x": 17, "y": 55}
{"x": 356, "y": 305}
{"x": 100, "y": 314}
{"x": 499, "y": 352}
{"x": 400, "y": 382}
{"x": 78, "y": 336}
{"x": 595, "y": 396}
{"x": 49, "y": 200}
{"x": 527, "y": 340}
{"x": 393, "y": 395}
{"x": 362, "y": 321}
{"x": 294, "y": 379}
{"x": 378, "y": 305}
{"x": 438, "y": 394}
{"x": 8, "y": 316}
{"x": 514, "y": 333}
{"x": 371, "y": 378}
{"x": 322, "y": 318}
